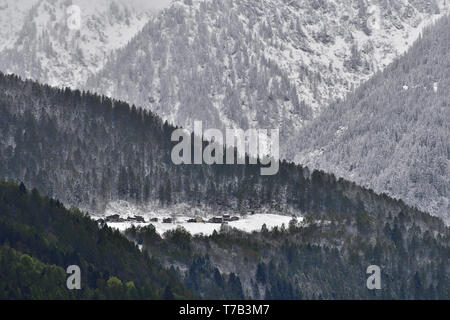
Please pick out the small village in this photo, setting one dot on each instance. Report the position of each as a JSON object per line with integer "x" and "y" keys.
{"x": 225, "y": 218}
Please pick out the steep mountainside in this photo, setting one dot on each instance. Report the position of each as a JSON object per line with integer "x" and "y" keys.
{"x": 12, "y": 15}
{"x": 271, "y": 63}
{"x": 36, "y": 41}
{"x": 393, "y": 133}
{"x": 266, "y": 64}
{"x": 87, "y": 150}
{"x": 39, "y": 239}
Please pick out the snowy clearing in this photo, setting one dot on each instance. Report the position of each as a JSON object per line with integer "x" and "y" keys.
{"x": 248, "y": 224}
{"x": 180, "y": 214}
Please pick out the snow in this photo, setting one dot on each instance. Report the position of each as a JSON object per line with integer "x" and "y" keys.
{"x": 180, "y": 213}
{"x": 435, "y": 87}
{"x": 71, "y": 56}
{"x": 341, "y": 131}
{"x": 248, "y": 224}
{"x": 12, "y": 15}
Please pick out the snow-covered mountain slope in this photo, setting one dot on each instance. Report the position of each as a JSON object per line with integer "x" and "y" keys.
{"x": 12, "y": 17}
{"x": 201, "y": 62}
{"x": 393, "y": 133}
{"x": 237, "y": 63}
{"x": 37, "y": 42}
{"x": 267, "y": 64}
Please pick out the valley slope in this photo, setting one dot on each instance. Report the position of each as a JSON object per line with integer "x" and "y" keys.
{"x": 393, "y": 133}
{"x": 36, "y": 42}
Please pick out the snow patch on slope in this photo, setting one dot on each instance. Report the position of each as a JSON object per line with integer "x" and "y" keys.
{"x": 181, "y": 213}
{"x": 248, "y": 224}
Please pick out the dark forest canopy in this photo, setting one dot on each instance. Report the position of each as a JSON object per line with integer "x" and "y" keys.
{"x": 40, "y": 238}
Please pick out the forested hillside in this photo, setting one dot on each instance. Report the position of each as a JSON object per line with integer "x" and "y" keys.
{"x": 323, "y": 258}
{"x": 36, "y": 41}
{"x": 39, "y": 239}
{"x": 393, "y": 134}
{"x": 268, "y": 64}
{"x": 87, "y": 150}
{"x": 264, "y": 64}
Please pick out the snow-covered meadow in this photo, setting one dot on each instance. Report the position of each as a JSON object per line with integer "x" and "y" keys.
{"x": 180, "y": 214}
